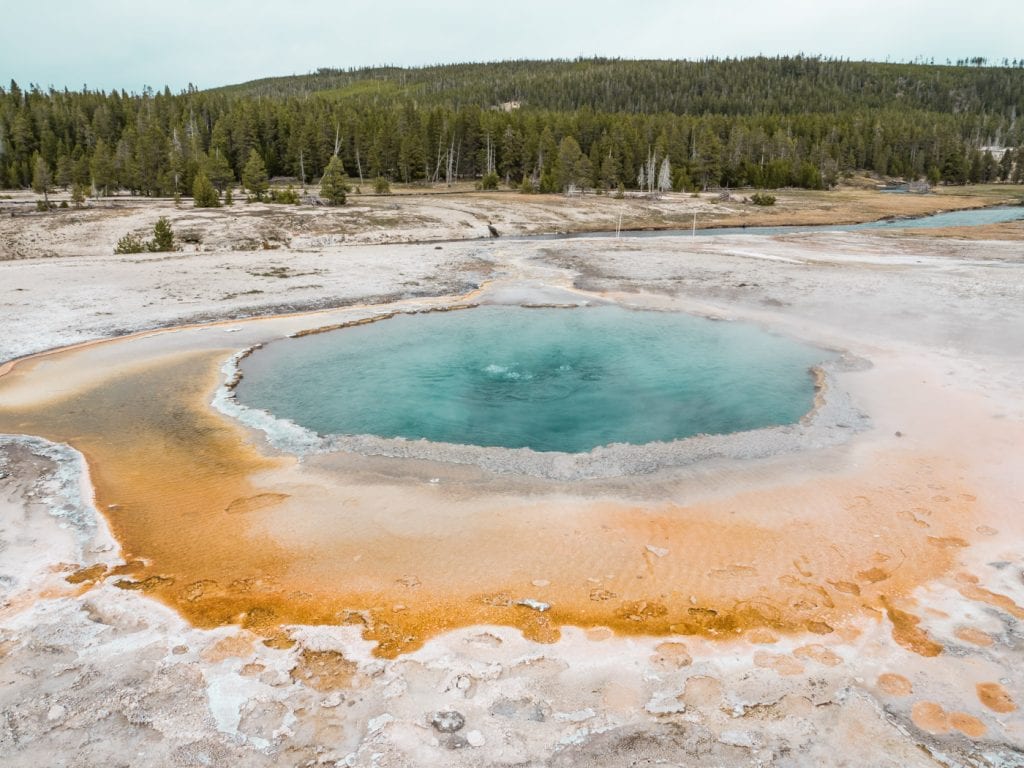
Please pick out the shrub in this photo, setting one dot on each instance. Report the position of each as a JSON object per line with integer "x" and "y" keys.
{"x": 527, "y": 187}
{"x": 130, "y": 244}
{"x": 285, "y": 196}
{"x": 762, "y": 198}
{"x": 204, "y": 195}
{"x": 490, "y": 181}
{"x": 334, "y": 183}
{"x": 381, "y": 186}
{"x": 163, "y": 236}
{"x": 78, "y": 194}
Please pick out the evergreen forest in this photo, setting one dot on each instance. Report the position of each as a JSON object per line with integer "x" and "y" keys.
{"x": 540, "y": 126}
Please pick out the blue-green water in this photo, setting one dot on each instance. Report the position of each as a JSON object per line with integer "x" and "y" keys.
{"x": 547, "y": 379}
{"x": 968, "y": 218}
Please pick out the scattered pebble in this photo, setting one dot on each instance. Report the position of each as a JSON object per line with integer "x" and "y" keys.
{"x": 447, "y": 721}
{"x": 376, "y": 723}
{"x": 332, "y": 701}
{"x": 456, "y": 741}
{"x": 536, "y": 605}
{"x": 657, "y": 551}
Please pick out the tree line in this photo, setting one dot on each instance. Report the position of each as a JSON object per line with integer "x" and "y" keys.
{"x": 541, "y": 126}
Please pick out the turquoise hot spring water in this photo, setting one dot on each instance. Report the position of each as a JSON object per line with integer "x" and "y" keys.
{"x": 547, "y": 379}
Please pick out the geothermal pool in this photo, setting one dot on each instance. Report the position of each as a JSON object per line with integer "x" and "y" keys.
{"x": 548, "y": 379}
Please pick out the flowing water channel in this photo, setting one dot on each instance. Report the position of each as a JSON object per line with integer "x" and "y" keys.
{"x": 972, "y": 217}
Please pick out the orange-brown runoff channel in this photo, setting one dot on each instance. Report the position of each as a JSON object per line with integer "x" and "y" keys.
{"x": 225, "y": 534}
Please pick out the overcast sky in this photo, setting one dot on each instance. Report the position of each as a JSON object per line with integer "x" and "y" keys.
{"x": 132, "y": 43}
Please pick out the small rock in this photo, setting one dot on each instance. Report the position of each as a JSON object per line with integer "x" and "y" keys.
{"x": 448, "y": 721}
{"x": 475, "y": 739}
{"x": 179, "y": 650}
{"x": 657, "y": 551}
{"x": 536, "y": 605}
{"x": 579, "y": 716}
{"x": 743, "y": 739}
{"x": 376, "y": 723}
{"x": 57, "y": 712}
{"x": 665, "y": 705}
{"x": 455, "y": 741}
{"x": 332, "y": 701}
{"x": 898, "y": 433}
{"x": 540, "y": 582}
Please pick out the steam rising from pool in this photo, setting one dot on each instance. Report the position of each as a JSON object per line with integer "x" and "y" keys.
{"x": 545, "y": 379}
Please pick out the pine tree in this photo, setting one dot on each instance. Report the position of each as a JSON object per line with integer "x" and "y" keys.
{"x": 334, "y": 184}
{"x": 102, "y": 167}
{"x": 254, "y": 175}
{"x": 163, "y": 236}
{"x": 41, "y": 179}
{"x": 65, "y": 171}
{"x": 218, "y": 170}
{"x": 203, "y": 193}
{"x": 567, "y": 170}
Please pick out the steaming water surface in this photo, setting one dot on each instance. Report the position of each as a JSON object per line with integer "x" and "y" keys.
{"x": 545, "y": 379}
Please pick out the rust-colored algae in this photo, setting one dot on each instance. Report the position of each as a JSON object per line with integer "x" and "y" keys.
{"x": 895, "y": 685}
{"x": 324, "y": 670}
{"x": 933, "y": 718}
{"x": 91, "y": 574}
{"x": 227, "y": 535}
{"x": 995, "y": 697}
{"x": 972, "y": 591}
{"x": 906, "y": 632}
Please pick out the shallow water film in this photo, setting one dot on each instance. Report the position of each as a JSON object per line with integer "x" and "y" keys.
{"x": 546, "y": 379}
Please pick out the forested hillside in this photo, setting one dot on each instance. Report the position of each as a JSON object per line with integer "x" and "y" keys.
{"x": 595, "y": 123}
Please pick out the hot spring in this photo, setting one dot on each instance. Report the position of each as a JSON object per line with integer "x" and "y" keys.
{"x": 565, "y": 380}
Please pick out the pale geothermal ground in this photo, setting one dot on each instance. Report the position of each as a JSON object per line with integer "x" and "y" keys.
{"x": 846, "y": 592}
